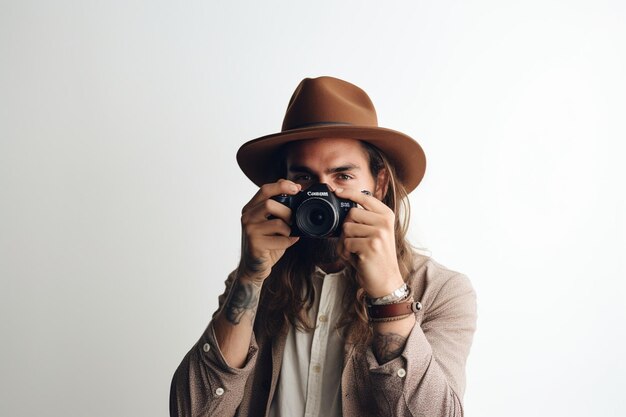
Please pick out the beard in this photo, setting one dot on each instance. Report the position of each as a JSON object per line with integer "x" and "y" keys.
{"x": 318, "y": 251}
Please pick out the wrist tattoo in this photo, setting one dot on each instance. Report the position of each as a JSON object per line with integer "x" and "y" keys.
{"x": 387, "y": 346}
{"x": 253, "y": 264}
{"x": 243, "y": 297}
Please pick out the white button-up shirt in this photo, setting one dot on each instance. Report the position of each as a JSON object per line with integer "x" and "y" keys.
{"x": 310, "y": 376}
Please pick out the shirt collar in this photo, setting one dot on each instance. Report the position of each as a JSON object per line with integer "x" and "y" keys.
{"x": 319, "y": 272}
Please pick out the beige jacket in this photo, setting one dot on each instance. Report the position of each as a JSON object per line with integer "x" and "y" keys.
{"x": 431, "y": 381}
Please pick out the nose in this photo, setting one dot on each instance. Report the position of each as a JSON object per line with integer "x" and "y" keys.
{"x": 323, "y": 179}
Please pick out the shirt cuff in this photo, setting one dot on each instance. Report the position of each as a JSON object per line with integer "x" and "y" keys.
{"x": 415, "y": 356}
{"x": 209, "y": 350}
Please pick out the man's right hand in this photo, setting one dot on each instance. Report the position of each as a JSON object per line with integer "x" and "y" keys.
{"x": 265, "y": 233}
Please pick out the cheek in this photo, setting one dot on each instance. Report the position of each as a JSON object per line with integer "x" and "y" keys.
{"x": 367, "y": 184}
{"x": 358, "y": 184}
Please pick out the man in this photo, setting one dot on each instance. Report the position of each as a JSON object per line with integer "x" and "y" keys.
{"x": 354, "y": 325}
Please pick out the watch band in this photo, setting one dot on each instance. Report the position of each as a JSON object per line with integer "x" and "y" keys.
{"x": 397, "y": 295}
{"x": 393, "y": 310}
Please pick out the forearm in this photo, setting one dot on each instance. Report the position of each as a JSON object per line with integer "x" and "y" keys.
{"x": 390, "y": 338}
{"x": 428, "y": 376}
{"x": 204, "y": 385}
{"x": 235, "y": 321}
{"x": 413, "y": 382}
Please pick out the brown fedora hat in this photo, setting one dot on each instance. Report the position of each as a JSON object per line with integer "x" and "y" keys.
{"x": 328, "y": 107}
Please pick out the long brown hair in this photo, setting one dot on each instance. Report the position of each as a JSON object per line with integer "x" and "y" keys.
{"x": 289, "y": 295}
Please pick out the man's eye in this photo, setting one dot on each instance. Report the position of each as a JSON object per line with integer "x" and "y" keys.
{"x": 344, "y": 177}
{"x": 302, "y": 177}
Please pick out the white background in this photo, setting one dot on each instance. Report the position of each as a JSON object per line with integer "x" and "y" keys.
{"x": 120, "y": 195}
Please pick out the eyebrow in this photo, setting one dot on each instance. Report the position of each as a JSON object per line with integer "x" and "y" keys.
{"x": 342, "y": 168}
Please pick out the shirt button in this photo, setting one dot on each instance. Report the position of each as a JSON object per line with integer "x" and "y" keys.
{"x": 401, "y": 373}
{"x": 206, "y": 347}
{"x": 219, "y": 391}
{"x": 323, "y": 318}
{"x": 317, "y": 368}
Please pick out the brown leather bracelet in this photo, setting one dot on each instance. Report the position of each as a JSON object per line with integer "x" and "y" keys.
{"x": 393, "y": 310}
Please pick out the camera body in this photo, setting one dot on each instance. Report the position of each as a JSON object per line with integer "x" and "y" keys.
{"x": 316, "y": 211}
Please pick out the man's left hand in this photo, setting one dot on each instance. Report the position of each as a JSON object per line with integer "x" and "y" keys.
{"x": 368, "y": 243}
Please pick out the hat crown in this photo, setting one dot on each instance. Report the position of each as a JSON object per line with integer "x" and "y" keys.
{"x": 328, "y": 101}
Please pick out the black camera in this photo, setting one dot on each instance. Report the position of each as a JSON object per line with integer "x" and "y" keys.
{"x": 317, "y": 211}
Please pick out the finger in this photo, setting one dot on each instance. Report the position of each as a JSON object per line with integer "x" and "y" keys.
{"x": 361, "y": 246}
{"x": 345, "y": 254}
{"x": 263, "y": 210}
{"x": 358, "y": 215}
{"x": 342, "y": 252}
{"x": 368, "y": 202}
{"x": 269, "y": 228}
{"x": 273, "y": 242}
{"x": 351, "y": 229}
{"x": 266, "y": 191}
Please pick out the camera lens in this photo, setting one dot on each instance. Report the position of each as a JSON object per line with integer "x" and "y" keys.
{"x": 316, "y": 217}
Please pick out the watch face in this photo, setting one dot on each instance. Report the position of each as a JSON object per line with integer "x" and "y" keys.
{"x": 399, "y": 294}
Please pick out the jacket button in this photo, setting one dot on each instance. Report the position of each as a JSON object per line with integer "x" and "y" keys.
{"x": 206, "y": 347}
{"x": 219, "y": 391}
{"x": 401, "y": 373}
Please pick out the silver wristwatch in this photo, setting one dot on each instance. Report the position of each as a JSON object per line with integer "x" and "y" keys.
{"x": 398, "y": 295}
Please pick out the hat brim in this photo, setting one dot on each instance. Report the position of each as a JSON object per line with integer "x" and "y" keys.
{"x": 259, "y": 158}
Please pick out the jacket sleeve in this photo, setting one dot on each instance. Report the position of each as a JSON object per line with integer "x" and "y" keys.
{"x": 204, "y": 385}
{"x": 428, "y": 378}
